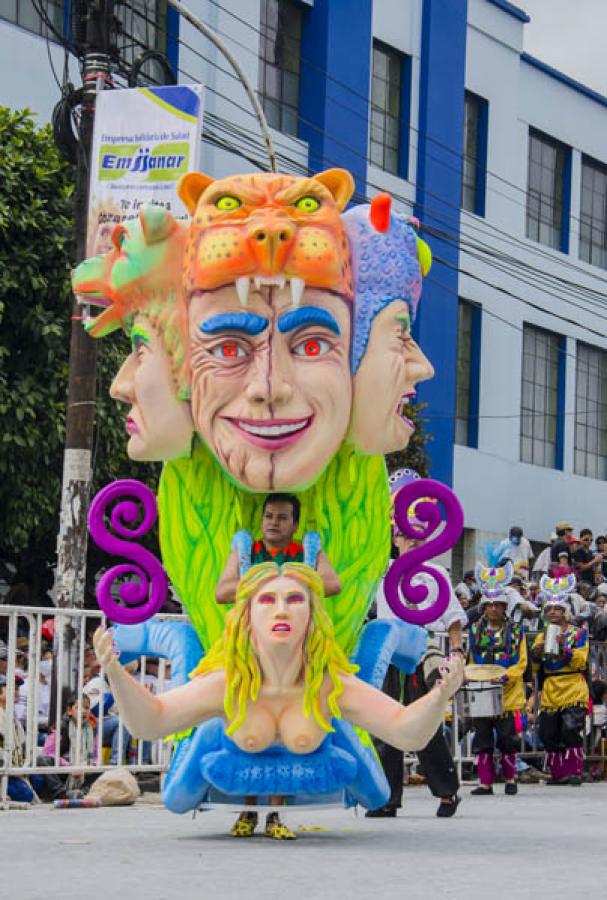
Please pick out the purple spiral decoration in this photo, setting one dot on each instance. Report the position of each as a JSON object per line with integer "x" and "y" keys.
{"x": 144, "y": 595}
{"x": 404, "y": 569}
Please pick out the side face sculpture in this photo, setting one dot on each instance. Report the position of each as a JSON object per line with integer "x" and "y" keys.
{"x": 139, "y": 283}
{"x": 388, "y": 261}
{"x": 159, "y": 425}
{"x": 268, "y": 284}
{"x": 385, "y": 382}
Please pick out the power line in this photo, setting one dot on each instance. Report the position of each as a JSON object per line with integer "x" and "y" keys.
{"x": 460, "y": 155}
{"x": 444, "y": 235}
{"x": 458, "y": 222}
{"x": 253, "y": 141}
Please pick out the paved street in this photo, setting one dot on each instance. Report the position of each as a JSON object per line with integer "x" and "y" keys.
{"x": 545, "y": 843}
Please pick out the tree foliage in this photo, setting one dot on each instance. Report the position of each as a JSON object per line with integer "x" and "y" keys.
{"x": 36, "y": 256}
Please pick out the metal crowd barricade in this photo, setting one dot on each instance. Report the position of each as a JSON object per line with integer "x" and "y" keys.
{"x": 15, "y": 621}
{"x": 29, "y": 621}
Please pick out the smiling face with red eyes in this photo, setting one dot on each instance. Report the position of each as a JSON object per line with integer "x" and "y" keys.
{"x": 280, "y": 614}
{"x": 271, "y": 385}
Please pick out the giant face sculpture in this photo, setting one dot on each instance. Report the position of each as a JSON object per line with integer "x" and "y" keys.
{"x": 139, "y": 283}
{"x": 271, "y": 386}
{"x": 388, "y": 261}
{"x": 280, "y": 615}
{"x": 267, "y": 279}
{"x": 159, "y": 425}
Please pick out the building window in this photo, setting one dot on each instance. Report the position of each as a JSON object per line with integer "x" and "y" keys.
{"x": 593, "y": 213}
{"x": 25, "y": 14}
{"x": 279, "y": 65}
{"x": 541, "y": 398}
{"x": 141, "y": 26}
{"x": 474, "y": 169}
{"x": 548, "y": 185}
{"x": 591, "y": 412}
{"x": 390, "y": 98}
{"x": 468, "y": 372}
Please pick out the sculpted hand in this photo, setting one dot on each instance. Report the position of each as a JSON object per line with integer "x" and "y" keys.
{"x": 105, "y": 648}
{"x": 452, "y": 676}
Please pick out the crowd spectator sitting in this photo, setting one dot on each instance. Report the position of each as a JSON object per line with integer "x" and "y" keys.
{"x": 88, "y": 724}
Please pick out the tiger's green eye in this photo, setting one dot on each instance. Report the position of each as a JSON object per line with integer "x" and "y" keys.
{"x": 227, "y": 203}
{"x": 307, "y": 204}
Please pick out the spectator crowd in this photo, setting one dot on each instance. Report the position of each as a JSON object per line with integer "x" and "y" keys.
{"x": 98, "y": 738}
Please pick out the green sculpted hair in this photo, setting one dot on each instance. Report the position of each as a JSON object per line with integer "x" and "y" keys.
{"x": 166, "y": 314}
{"x": 200, "y": 509}
{"x": 235, "y": 652}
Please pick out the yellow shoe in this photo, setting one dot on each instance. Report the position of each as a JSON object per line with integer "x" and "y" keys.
{"x": 276, "y": 830}
{"x": 245, "y": 825}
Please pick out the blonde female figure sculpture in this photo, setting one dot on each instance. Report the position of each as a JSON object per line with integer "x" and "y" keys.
{"x": 277, "y": 676}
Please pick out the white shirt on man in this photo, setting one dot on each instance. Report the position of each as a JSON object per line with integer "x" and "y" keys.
{"x": 520, "y": 554}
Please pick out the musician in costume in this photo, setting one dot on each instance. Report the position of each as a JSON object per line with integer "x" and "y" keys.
{"x": 563, "y": 685}
{"x": 495, "y": 640}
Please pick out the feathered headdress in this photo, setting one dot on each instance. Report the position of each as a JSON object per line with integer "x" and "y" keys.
{"x": 492, "y": 577}
{"x": 555, "y": 591}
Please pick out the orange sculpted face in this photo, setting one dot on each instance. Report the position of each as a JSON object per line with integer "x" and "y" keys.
{"x": 264, "y": 226}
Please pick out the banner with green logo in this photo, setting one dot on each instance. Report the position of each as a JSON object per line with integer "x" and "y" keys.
{"x": 145, "y": 139}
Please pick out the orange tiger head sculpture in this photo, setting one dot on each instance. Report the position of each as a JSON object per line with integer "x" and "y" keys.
{"x": 275, "y": 228}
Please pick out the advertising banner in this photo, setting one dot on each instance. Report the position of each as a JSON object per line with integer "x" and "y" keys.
{"x": 144, "y": 140}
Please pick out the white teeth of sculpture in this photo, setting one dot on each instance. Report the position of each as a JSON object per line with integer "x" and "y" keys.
{"x": 298, "y": 286}
{"x": 243, "y": 285}
{"x": 269, "y": 281}
{"x": 272, "y": 430}
{"x": 242, "y": 289}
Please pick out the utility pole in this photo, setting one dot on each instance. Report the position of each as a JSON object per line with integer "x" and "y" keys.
{"x": 93, "y": 33}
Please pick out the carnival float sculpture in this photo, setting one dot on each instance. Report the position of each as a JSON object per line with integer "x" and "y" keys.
{"x": 271, "y": 352}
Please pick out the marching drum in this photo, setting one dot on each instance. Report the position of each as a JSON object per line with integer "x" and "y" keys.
{"x": 480, "y": 698}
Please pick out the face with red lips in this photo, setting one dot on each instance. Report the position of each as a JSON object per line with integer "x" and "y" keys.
{"x": 280, "y": 614}
{"x": 391, "y": 368}
{"x": 158, "y": 424}
{"x": 271, "y": 384}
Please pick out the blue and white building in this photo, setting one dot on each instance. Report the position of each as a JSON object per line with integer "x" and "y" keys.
{"x": 503, "y": 159}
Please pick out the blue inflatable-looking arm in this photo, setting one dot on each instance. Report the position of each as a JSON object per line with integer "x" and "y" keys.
{"x": 175, "y": 641}
{"x": 388, "y": 641}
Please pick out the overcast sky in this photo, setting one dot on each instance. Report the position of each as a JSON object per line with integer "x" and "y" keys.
{"x": 571, "y": 36}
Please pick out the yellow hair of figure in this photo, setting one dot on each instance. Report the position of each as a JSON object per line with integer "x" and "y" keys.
{"x": 235, "y": 651}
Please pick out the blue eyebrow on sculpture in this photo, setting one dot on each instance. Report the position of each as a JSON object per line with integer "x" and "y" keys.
{"x": 242, "y": 321}
{"x": 307, "y": 315}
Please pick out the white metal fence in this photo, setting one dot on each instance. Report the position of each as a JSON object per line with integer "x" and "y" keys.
{"x": 69, "y": 674}
{"x": 71, "y": 659}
